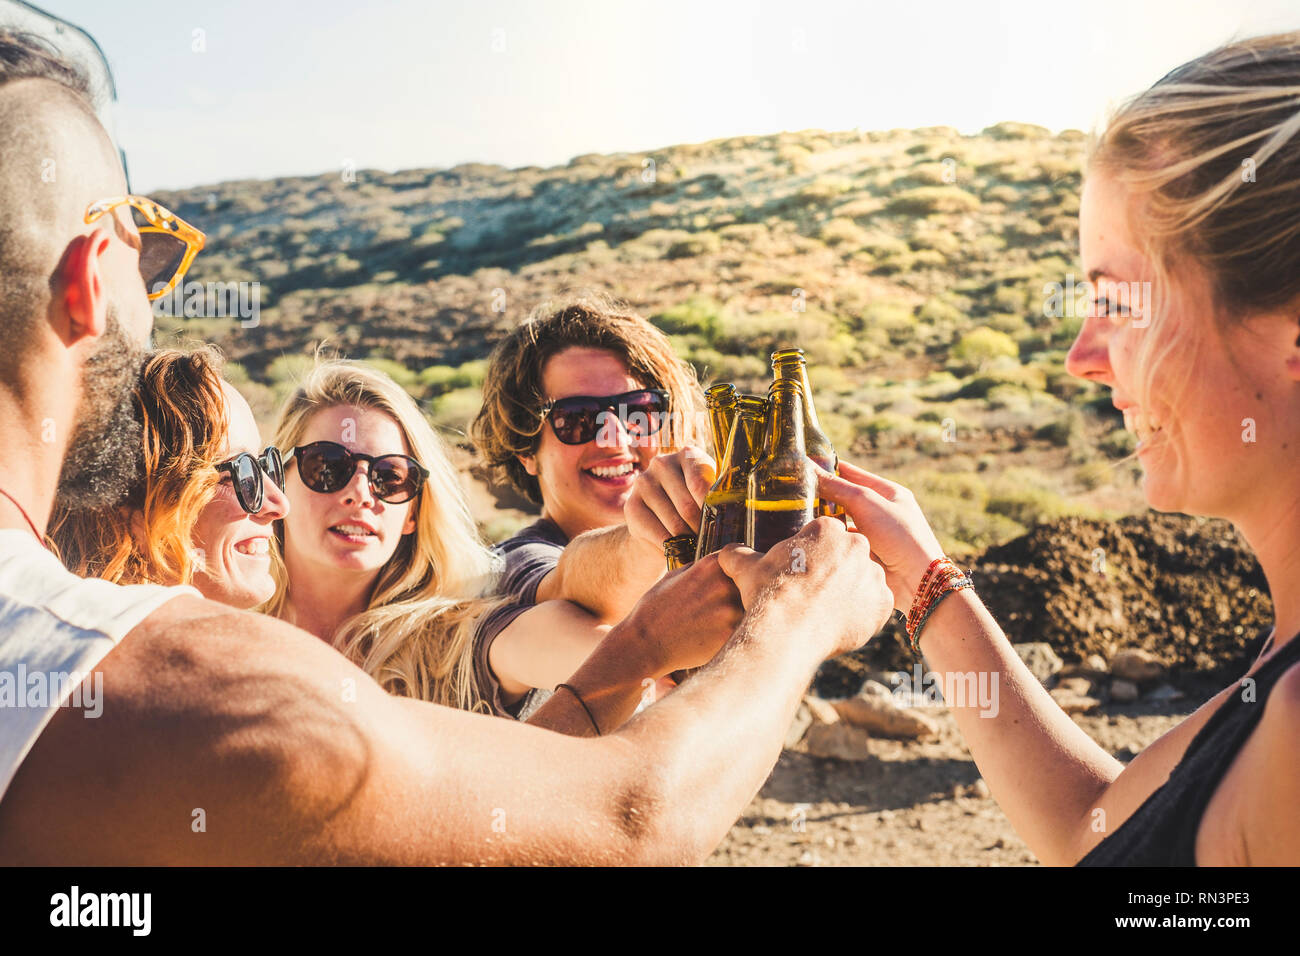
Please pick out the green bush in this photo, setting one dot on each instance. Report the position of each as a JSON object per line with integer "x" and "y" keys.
{"x": 711, "y": 364}
{"x": 932, "y": 200}
{"x": 765, "y": 332}
{"x": 444, "y": 378}
{"x": 1026, "y": 377}
{"x": 1063, "y": 430}
{"x": 398, "y": 372}
{"x": 942, "y": 316}
{"x": 1027, "y": 506}
{"x": 697, "y": 314}
{"x": 842, "y": 232}
{"x": 700, "y": 244}
{"x": 454, "y": 410}
{"x": 981, "y": 346}
{"x": 1094, "y": 474}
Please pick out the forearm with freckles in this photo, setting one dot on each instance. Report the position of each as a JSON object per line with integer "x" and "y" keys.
{"x": 605, "y": 571}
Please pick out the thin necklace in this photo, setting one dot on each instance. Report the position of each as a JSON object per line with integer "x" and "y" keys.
{"x": 23, "y": 511}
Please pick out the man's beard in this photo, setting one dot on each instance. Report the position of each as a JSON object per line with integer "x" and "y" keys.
{"x": 100, "y": 465}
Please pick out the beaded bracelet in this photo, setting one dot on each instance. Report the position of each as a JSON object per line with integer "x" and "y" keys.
{"x": 941, "y": 578}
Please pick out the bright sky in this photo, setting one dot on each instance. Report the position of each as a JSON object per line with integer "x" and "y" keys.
{"x": 270, "y": 88}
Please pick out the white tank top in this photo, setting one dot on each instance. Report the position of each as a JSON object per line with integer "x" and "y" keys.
{"x": 55, "y": 628}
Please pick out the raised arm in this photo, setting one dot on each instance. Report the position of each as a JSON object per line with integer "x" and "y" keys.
{"x": 1046, "y": 773}
{"x": 607, "y": 570}
{"x": 233, "y": 738}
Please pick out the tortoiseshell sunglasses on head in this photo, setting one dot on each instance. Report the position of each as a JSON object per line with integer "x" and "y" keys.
{"x": 168, "y": 244}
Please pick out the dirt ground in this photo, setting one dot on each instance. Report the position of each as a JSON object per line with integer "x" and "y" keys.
{"x": 914, "y": 804}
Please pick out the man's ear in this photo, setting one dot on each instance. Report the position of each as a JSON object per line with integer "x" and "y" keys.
{"x": 81, "y": 283}
{"x": 529, "y": 462}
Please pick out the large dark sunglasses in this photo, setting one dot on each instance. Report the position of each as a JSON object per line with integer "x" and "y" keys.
{"x": 246, "y": 473}
{"x": 326, "y": 466}
{"x": 578, "y": 419}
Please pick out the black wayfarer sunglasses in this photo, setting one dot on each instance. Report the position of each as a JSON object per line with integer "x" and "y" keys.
{"x": 246, "y": 472}
{"x": 326, "y": 466}
{"x": 578, "y": 419}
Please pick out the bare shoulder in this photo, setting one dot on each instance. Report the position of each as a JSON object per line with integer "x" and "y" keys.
{"x": 1251, "y": 818}
{"x": 207, "y": 714}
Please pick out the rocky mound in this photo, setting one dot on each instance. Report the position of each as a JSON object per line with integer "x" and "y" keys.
{"x": 1186, "y": 589}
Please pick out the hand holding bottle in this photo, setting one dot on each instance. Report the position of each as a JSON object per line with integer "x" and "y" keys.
{"x": 901, "y": 539}
{"x": 823, "y": 577}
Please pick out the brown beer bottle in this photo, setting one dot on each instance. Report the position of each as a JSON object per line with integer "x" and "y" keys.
{"x": 721, "y": 403}
{"x": 791, "y": 364}
{"x": 724, "y": 505}
{"x": 782, "y": 494}
{"x": 679, "y": 551}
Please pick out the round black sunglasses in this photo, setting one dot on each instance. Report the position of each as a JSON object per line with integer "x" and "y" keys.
{"x": 246, "y": 472}
{"x": 326, "y": 466}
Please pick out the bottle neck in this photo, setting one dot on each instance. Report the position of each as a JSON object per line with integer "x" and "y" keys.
{"x": 722, "y": 417}
{"x": 796, "y": 370}
{"x": 785, "y": 424}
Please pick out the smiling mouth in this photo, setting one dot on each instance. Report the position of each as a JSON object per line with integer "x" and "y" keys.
{"x": 256, "y": 547}
{"x": 352, "y": 531}
{"x": 1141, "y": 425}
{"x": 613, "y": 471}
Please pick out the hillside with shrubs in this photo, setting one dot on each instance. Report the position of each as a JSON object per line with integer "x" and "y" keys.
{"x": 912, "y": 265}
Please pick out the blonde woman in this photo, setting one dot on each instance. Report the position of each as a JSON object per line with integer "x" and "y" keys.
{"x": 1193, "y": 192}
{"x": 379, "y": 555}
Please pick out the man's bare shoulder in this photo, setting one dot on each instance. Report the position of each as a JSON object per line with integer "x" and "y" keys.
{"x": 206, "y": 711}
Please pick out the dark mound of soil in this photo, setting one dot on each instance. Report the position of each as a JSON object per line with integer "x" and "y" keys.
{"x": 1187, "y": 589}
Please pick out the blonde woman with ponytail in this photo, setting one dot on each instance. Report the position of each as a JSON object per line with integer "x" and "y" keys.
{"x": 379, "y": 555}
{"x": 1190, "y": 236}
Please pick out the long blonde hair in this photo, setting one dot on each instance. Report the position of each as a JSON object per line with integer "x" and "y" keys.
{"x": 1211, "y": 156}
{"x": 415, "y": 637}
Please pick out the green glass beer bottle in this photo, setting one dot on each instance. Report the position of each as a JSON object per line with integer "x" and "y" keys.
{"x": 791, "y": 364}
{"x": 679, "y": 551}
{"x": 724, "y": 505}
{"x": 782, "y": 493}
{"x": 720, "y": 401}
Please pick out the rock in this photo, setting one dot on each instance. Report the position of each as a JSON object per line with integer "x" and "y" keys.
{"x": 1095, "y": 662}
{"x": 1165, "y": 692}
{"x": 802, "y": 721}
{"x": 875, "y": 710}
{"x": 1073, "y": 703}
{"x": 1039, "y": 658}
{"x": 821, "y": 711}
{"x": 1123, "y": 691}
{"x": 839, "y": 741}
{"x": 1076, "y": 685}
{"x": 980, "y": 789}
{"x": 1137, "y": 665}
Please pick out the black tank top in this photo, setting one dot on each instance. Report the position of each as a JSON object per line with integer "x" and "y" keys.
{"x": 1162, "y": 832}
